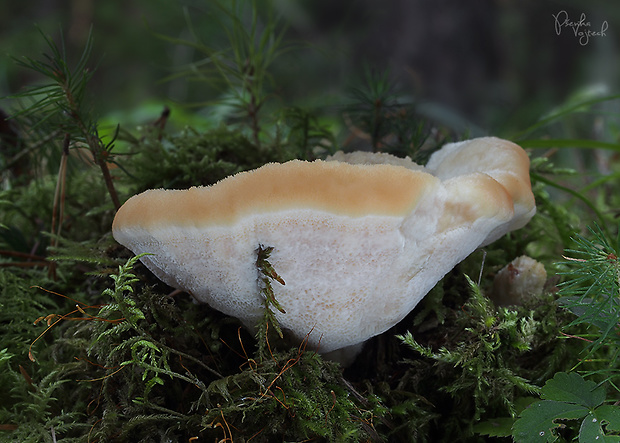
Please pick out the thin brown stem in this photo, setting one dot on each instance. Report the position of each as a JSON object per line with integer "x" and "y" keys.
{"x": 94, "y": 143}
{"x": 59, "y": 201}
{"x": 107, "y": 177}
{"x": 24, "y": 255}
{"x": 253, "y": 113}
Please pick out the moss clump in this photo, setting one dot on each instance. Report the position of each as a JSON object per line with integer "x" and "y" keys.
{"x": 192, "y": 158}
{"x": 296, "y": 395}
{"x": 29, "y": 390}
{"x": 142, "y": 365}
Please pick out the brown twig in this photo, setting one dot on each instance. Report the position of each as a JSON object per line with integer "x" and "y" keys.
{"x": 107, "y": 177}
{"x": 94, "y": 143}
{"x": 21, "y": 255}
{"x": 59, "y": 200}
{"x": 27, "y": 264}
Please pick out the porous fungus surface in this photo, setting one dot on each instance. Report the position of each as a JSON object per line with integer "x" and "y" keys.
{"x": 358, "y": 240}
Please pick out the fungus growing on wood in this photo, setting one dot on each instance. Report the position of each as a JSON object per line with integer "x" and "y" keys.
{"x": 358, "y": 240}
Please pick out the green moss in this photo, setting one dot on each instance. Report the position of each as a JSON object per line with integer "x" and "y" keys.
{"x": 192, "y": 158}
{"x": 138, "y": 366}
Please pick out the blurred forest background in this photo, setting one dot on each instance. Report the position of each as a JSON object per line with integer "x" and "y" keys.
{"x": 482, "y": 66}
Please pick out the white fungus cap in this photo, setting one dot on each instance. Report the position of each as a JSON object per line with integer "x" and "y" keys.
{"x": 358, "y": 240}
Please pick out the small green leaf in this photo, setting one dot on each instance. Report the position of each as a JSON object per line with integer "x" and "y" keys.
{"x": 497, "y": 427}
{"x": 591, "y": 431}
{"x": 151, "y": 383}
{"x": 572, "y": 388}
{"x": 609, "y": 414}
{"x": 146, "y": 344}
{"x": 537, "y": 421}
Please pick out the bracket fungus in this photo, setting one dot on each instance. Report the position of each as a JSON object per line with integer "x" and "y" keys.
{"x": 358, "y": 240}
